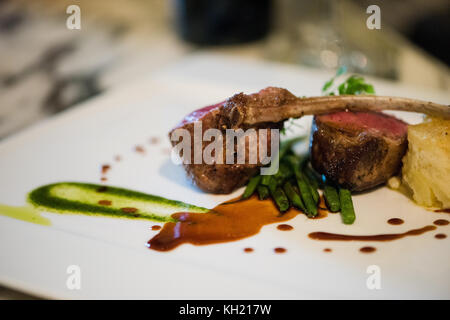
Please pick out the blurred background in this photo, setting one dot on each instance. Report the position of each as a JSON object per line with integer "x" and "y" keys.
{"x": 46, "y": 68}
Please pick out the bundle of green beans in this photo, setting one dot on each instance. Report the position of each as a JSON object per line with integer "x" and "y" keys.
{"x": 295, "y": 184}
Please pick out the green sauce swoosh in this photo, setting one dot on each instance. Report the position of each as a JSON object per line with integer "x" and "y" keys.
{"x": 28, "y": 214}
{"x": 90, "y": 199}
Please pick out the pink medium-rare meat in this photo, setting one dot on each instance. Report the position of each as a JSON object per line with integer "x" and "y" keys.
{"x": 358, "y": 150}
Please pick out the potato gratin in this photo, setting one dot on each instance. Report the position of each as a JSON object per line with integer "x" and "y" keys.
{"x": 426, "y": 165}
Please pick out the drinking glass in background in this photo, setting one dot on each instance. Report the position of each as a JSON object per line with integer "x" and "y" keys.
{"x": 329, "y": 34}
{"x": 222, "y": 22}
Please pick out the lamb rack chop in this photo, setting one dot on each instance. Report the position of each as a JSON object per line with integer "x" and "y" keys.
{"x": 268, "y": 109}
{"x": 358, "y": 150}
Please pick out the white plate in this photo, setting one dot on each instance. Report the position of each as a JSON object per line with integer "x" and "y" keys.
{"x": 111, "y": 253}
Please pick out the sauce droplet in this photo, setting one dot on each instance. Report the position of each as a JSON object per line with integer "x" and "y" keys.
{"x": 104, "y": 202}
{"x": 128, "y": 210}
{"x": 156, "y": 227}
{"x": 279, "y": 250}
{"x": 395, "y": 221}
{"x": 102, "y": 189}
{"x": 154, "y": 140}
{"x": 440, "y": 236}
{"x": 376, "y": 237}
{"x": 139, "y": 149}
{"x": 105, "y": 168}
{"x": 248, "y": 250}
{"x": 367, "y": 249}
{"x": 441, "y": 222}
{"x": 285, "y": 227}
{"x": 327, "y": 250}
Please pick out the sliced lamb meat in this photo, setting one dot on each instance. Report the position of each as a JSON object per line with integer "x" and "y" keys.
{"x": 268, "y": 109}
{"x": 224, "y": 178}
{"x": 358, "y": 150}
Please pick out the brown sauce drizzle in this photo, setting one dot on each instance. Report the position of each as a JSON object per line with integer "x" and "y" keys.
{"x": 226, "y": 222}
{"x": 154, "y": 140}
{"x": 103, "y": 179}
{"x": 237, "y": 219}
{"x": 139, "y": 149}
{"x": 279, "y": 250}
{"x": 156, "y": 227}
{"x": 104, "y": 202}
{"x": 367, "y": 249}
{"x": 285, "y": 227}
{"x": 118, "y": 158}
{"x": 440, "y": 236}
{"x": 441, "y": 222}
{"x": 395, "y": 221}
{"x": 105, "y": 168}
{"x": 327, "y": 250}
{"x": 128, "y": 210}
{"x": 447, "y": 210}
{"x": 322, "y": 210}
{"x": 377, "y": 237}
{"x": 102, "y": 189}
{"x": 248, "y": 250}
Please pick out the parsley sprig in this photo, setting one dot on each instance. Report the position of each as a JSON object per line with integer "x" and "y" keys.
{"x": 353, "y": 85}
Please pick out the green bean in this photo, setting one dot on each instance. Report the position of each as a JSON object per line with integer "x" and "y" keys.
{"x": 280, "y": 199}
{"x": 278, "y": 195}
{"x": 305, "y": 190}
{"x": 263, "y": 192}
{"x": 347, "y": 210}
{"x": 314, "y": 192}
{"x": 314, "y": 177}
{"x": 265, "y": 180}
{"x": 272, "y": 183}
{"x": 331, "y": 198}
{"x": 310, "y": 183}
{"x": 251, "y": 187}
{"x": 283, "y": 173}
{"x": 293, "y": 196}
{"x": 278, "y": 177}
{"x": 308, "y": 200}
{"x": 285, "y": 170}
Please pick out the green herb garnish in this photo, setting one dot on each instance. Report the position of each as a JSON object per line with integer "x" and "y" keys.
{"x": 353, "y": 85}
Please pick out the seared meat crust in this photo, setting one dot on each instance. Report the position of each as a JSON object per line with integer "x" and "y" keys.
{"x": 356, "y": 157}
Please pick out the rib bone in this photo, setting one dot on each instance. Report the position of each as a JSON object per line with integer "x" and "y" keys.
{"x": 298, "y": 107}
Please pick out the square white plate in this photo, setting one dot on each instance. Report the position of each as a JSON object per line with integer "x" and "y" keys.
{"x": 111, "y": 253}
